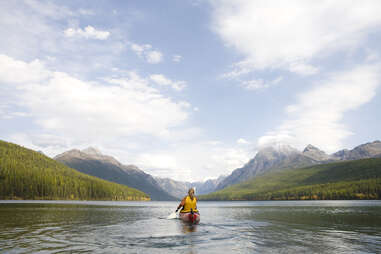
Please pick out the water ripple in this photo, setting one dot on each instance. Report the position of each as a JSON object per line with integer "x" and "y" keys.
{"x": 227, "y": 227}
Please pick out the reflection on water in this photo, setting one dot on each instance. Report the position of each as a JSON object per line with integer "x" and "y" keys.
{"x": 229, "y": 227}
{"x": 187, "y": 228}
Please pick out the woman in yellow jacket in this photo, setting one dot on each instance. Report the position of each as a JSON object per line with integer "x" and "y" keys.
{"x": 189, "y": 210}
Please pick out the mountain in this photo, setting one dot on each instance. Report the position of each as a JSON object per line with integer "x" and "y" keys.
{"x": 368, "y": 150}
{"x": 281, "y": 156}
{"x": 316, "y": 154}
{"x": 357, "y": 179}
{"x": 92, "y": 162}
{"x": 209, "y": 185}
{"x": 177, "y": 189}
{"x": 180, "y": 189}
{"x": 273, "y": 157}
{"x": 27, "y": 174}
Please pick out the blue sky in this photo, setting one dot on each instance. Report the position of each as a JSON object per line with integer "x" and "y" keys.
{"x": 189, "y": 89}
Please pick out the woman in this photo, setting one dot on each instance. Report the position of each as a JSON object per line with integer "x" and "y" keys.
{"x": 189, "y": 212}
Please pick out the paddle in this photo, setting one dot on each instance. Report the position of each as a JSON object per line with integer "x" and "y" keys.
{"x": 172, "y": 216}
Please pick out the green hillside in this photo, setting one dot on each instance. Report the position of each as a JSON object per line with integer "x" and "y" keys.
{"x": 26, "y": 174}
{"x": 360, "y": 179}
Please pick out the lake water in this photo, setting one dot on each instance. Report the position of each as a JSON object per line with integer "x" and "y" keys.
{"x": 225, "y": 227}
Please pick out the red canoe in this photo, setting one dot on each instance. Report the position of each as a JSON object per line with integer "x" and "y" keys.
{"x": 193, "y": 218}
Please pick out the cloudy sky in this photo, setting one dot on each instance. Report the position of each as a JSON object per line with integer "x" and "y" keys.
{"x": 189, "y": 89}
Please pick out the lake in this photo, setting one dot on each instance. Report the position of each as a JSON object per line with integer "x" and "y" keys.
{"x": 225, "y": 227}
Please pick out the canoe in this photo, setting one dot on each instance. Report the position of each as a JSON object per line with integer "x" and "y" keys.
{"x": 193, "y": 218}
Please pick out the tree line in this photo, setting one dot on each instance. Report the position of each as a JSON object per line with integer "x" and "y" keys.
{"x": 26, "y": 174}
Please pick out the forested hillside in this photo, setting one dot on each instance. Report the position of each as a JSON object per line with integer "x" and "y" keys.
{"x": 92, "y": 162}
{"x": 360, "y": 179}
{"x": 26, "y": 174}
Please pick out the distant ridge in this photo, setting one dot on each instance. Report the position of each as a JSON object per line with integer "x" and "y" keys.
{"x": 316, "y": 154}
{"x": 368, "y": 150}
{"x": 180, "y": 189}
{"x": 91, "y": 161}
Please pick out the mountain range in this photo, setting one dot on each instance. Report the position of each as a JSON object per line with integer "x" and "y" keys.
{"x": 92, "y": 162}
{"x": 179, "y": 189}
{"x": 342, "y": 180}
{"x": 281, "y": 156}
{"x": 275, "y": 157}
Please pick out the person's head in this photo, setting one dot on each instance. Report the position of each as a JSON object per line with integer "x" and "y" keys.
{"x": 191, "y": 192}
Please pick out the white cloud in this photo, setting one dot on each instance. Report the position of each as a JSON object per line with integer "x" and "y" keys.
{"x": 290, "y": 35}
{"x": 89, "y": 33}
{"x": 303, "y": 68}
{"x": 239, "y": 69}
{"x": 73, "y": 113}
{"x": 257, "y": 84}
{"x": 13, "y": 114}
{"x": 164, "y": 81}
{"x": 154, "y": 57}
{"x": 139, "y": 49}
{"x": 35, "y": 29}
{"x": 177, "y": 58}
{"x": 13, "y": 71}
{"x": 317, "y": 116}
{"x": 213, "y": 159}
{"x": 242, "y": 141}
{"x": 145, "y": 51}
{"x": 86, "y": 12}
{"x": 85, "y": 110}
{"x": 372, "y": 56}
{"x": 49, "y": 9}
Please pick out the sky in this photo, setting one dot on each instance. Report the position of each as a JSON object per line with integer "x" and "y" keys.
{"x": 190, "y": 89}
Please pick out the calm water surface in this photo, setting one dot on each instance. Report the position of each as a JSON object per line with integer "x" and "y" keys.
{"x": 226, "y": 227}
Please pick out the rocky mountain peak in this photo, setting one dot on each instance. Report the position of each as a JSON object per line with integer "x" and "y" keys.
{"x": 315, "y": 153}
{"x": 91, "y": 151}
{"x": 310, "y": 148}
{"x": 70, "y": 153}
{"x": 368, "y": 150}
{"x": 274, "y": 157}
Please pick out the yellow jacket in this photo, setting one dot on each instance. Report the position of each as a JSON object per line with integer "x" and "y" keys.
{"x": 189, "y": 204}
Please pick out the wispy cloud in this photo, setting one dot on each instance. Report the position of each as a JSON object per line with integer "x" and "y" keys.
{"x": 85, "y": 110}
{"x": 317, "y": 117}
{"x": 290, "y": 35}
{"x": 177, "y": 58}
{"x": 145, "y": 51}
{"x": 258, "y": 84}
{"x": 160, "y": 79}
{"x": 88, "y": 32}
{"x": 154, "y": 56}
{"x": 242, "y": 141}
{"x": 54, "y": 11}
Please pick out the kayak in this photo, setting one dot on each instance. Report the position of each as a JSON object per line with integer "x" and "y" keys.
{"x": 193, "y": 218}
